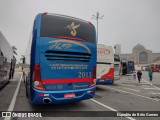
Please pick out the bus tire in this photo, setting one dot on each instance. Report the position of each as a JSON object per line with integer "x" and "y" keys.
{"x": 26, "y": 89}
{"x": 10, "y": 74}
{"x": 112, "y": 82}
{"x": 24, "y": 77}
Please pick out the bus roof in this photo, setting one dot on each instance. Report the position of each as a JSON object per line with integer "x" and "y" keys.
{"x": 65, "y": 16}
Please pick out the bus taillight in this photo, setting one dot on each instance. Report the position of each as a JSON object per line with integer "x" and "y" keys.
{"x": 37, "y": 82}
{"x": 94, "y": 77}
{"x": 94, "y": 72}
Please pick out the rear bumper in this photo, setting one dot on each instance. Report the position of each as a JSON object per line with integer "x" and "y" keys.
{"x": 104, "y": 81}
{"x": 57, "y": 97}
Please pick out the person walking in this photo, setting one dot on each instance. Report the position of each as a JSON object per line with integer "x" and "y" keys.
{"x": 139, "y": 75}
{"x": 134, "y": 75}
{"x": 13, "y": 63}
{"x": 150, "y": 74}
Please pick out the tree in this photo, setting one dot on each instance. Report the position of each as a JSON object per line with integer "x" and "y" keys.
{"x": 14, "y": 50}
{"x": 23, "y": 59}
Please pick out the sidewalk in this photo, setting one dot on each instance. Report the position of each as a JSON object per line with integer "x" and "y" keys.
{"x": 3, "y": 83}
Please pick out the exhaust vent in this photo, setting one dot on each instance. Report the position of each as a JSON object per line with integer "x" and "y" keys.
{"x": 67, "y": 56}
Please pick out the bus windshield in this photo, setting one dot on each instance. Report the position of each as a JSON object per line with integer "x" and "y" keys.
{"x": 56, "y": 26}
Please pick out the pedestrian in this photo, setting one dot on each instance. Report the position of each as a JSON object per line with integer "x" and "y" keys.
{"x": 150, "y": 74}
{"x": 134, "y": 75}
{"x": 139, "y": 75}
{"x": 13, "y": 63}
{"x": 124, "y": 69}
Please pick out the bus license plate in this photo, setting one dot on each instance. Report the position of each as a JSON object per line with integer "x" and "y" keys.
{"x": 69, "y": 95}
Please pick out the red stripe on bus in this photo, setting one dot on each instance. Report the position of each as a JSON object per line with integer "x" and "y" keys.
{"x": 110, "y": 74}
{"x": 69, "y": 80}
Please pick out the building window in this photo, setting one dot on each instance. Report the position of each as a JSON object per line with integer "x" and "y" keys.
{"x": 143, "y": 57}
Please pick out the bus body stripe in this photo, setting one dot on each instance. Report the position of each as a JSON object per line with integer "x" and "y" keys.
{"x": 110, "y": 74}
{"x": 68, "y": 80}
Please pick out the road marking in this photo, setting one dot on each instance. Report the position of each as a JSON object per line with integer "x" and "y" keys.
{"x": 150, "y": 88}
{"x": 133, "y": 94}
{"x": 112, "y": 109}
{"x": 11, "y": 85}
{"x": 151, "y": 84}
{"x": 154, "y": 93}
{"x": 131, "y": 89}
{"x": 144, "y": 83}
{"x": 13, "y": 101}
{"x": 126, "y": 85}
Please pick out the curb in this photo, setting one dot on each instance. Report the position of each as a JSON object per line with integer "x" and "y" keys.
{"x": 3, "y": 83}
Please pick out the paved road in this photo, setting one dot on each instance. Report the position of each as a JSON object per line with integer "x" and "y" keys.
{"x": 125, "y": 95}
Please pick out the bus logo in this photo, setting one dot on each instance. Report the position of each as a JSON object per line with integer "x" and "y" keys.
{"x": 73, "y": 28}
{"x": 66, "y": 45}
{"x": 103, "y": 51}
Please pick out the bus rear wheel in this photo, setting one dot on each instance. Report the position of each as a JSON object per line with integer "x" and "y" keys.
{"x": 26, "y": 89}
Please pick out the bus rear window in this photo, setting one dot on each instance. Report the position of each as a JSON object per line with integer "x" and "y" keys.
{"x": 69, "y": 27}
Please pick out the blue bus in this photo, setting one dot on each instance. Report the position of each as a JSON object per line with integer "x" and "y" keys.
{"x": 61, "y": 55}
{"x": 130, "y": 68}
{"x": 127, "y": 67}
{"x": 7, "y": 61}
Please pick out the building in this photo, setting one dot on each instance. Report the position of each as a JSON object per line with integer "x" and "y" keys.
{"x": 140, "y": 55}
{"x": 117, "y": 48}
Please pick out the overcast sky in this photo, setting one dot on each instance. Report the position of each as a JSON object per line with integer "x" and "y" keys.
{"x": 127, "y": 22}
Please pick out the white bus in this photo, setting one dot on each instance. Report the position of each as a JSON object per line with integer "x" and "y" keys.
{"x": 105, "y": 65}
{"x": 117, "y": 67}
{"x": 7, "y": 61}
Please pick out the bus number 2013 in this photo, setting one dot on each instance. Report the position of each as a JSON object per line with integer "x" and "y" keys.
{"x": 84, "y": 74}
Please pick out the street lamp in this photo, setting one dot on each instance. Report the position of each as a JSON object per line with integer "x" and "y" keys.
{"x": 96, "y": 17}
